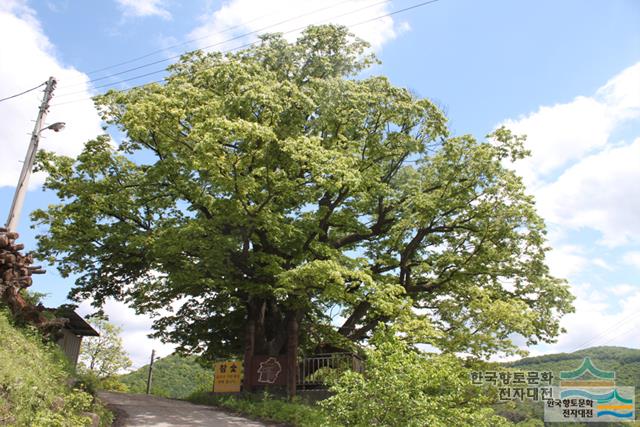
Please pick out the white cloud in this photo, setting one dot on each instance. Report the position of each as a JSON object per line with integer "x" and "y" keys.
{"x": 632, "y": 258}
{"x": 57, "y": 6}
{"x": 32, "y": 61}
{"x": 239, "y": 17}
{"x": 622, "y": 93}
{"x": 584, "y": 180}
{"x": 599, "y": 262}
{"x": 563, "y": 133}
{"x": 135, "y": 334}
{"x": 566, "y": 260}
{"x": 404, "y": 27}
{"x": 600, "y": 192}
{"x": 136, "y": 8}
{"x": 600, "y": 320}
{"x": 581, "y": 178}
{"x": 623, "y": 289}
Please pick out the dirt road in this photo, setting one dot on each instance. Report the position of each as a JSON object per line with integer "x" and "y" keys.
{"x": 135, "y": 410}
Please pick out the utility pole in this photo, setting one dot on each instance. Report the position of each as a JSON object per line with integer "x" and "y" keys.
{"x": 153, "y": 353}
{"x": 21, "y": 189}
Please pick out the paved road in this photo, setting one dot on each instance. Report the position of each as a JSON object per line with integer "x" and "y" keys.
{"x": 135, "y": 410}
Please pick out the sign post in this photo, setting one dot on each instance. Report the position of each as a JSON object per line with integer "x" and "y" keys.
{"x": 228, "y": 376}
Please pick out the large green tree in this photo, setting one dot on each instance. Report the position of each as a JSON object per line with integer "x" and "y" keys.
{"x": 259, "y": 192}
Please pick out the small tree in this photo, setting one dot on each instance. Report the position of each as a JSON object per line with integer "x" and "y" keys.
{"x": 104, "y": 356}
{"x": 402, "y": 386}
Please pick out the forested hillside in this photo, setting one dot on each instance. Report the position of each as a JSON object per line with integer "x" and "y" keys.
{"x": 173, "y": 376}
{"x": 624, "y": 361}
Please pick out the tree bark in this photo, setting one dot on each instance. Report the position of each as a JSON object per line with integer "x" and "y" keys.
{"x": 270, "y": 337}
{"x": 249, "y": 346}
{"x": 292, "y": 352}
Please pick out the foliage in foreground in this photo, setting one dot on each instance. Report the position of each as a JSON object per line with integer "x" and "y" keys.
{"x": 353, "y": 397}
{"x": 33, "y": 383}
{"x": 268, "y": 408}
{"x": 174, "y": 376}
{"x": 401, "y": 387}
{"x": 404, "y": 387}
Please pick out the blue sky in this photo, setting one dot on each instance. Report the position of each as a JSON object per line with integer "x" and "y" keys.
{"x": 565, "y": 73}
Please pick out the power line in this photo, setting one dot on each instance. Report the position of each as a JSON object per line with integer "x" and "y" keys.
{"x": 129, "y": 61}
{"x": 606, "y": 333}
{"x": 618, "y": 335}
{"x": 424, "y": 3}
{"x": 415, "y": 6}
{"x": 22, "y": 93}
{"x": 135, "y": 78}
{"x": 139, "y": 77}
{"x": 599, "y": 343}
{"x": 128, "y": 70}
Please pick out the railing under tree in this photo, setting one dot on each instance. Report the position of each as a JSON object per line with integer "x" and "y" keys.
{"x": 315, "y": 370}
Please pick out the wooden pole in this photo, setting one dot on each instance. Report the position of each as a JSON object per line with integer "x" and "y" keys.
{"x": 27, "y": 166}
{"x": 153, "y": 353}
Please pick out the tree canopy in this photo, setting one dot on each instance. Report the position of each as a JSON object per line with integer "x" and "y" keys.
{"x": 281, "y": 181}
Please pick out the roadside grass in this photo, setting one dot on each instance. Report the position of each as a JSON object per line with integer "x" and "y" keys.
{"x": 34, "y": 380}
{"x": 268, "y": 408}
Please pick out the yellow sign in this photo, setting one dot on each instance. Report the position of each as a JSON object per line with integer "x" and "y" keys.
{"x": 228, "y": 376}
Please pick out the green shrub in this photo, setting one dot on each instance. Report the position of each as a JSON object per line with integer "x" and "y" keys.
{"x": 87, "y": 381}
{"x": 403, "y": 387}
{"x": 113, "y": 384}
{"x": 267, "y": 407}
{"x": 33, "y": 383}
{"x": 90, "y": 382}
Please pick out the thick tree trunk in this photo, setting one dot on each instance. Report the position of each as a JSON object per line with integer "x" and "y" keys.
{"x": 292, "y": 352}
{"x": 270, "y": 331}
{"x": 249, "y": 346}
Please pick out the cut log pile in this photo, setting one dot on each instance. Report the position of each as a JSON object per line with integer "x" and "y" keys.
{"x": 15, "y": 275}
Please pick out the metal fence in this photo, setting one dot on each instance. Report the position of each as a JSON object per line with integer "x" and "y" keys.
{"x": 314, "y": 371}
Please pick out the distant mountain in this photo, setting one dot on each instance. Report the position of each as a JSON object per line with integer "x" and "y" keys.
{"x": 624, "y": 361}
{"x": 173, "y": 376}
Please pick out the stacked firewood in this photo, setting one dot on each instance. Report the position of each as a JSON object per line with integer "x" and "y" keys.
{"x": 15, "y": 275}
{"x": 15, "y": 267}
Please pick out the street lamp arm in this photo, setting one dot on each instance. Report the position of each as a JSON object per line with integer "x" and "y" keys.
{"x": 56, "y": 127}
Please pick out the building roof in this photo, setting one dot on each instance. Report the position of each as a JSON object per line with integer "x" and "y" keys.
{"x": 76, "y": 324}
